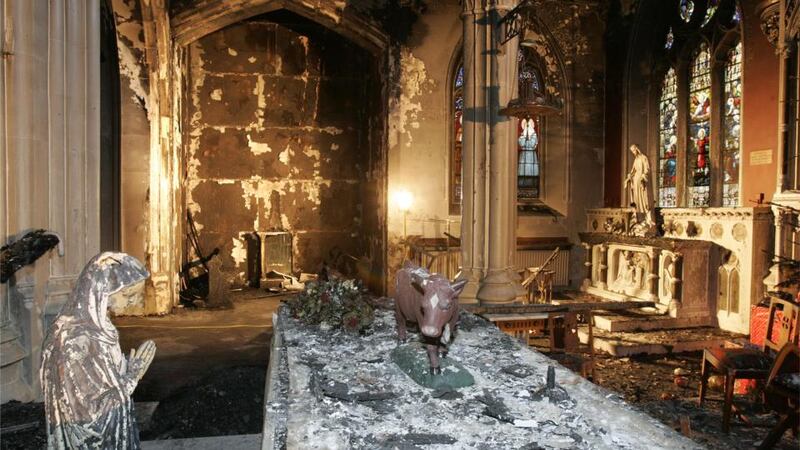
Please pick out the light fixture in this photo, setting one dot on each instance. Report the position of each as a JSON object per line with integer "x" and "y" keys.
{"x": 403, "y": 199}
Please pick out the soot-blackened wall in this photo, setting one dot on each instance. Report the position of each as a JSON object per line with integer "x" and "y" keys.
{"x": 279, "y": 139}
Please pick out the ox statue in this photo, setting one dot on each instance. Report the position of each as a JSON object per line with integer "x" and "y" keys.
{"x": 430, "y": 301}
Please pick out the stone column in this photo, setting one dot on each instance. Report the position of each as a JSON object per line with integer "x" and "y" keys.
{"x": 475, "y": 138}
{"x": 165, "y": 217}
{"x": 498, "y": 286}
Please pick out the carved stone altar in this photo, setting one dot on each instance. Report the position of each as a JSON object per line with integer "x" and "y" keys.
{"x": 704, "y": 270}
{"x": 678, "y": 275}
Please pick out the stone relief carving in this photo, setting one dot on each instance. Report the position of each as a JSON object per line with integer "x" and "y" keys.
{"x": 770, "y": 20}
{"x": 87, "y": 381}
{"x": 631, "y": 272}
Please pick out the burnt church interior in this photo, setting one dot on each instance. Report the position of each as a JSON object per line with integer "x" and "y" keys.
{"x": 585, "y": 212}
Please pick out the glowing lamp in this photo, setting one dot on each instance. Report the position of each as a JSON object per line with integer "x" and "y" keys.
{"x": 403, "y": 200}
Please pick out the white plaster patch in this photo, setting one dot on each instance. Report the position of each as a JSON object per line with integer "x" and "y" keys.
{"x": 257, "y": 148}
{"x": 404, "y": 110}
{"x": 284, "y": 156}
{"x": 232, "y": 52}
{"x": 238, "y": 253}
{"x": 216, "y": 94}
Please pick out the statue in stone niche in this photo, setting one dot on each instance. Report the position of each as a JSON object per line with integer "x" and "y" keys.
{"x": 87, "y": 381}
{"x": 637, "y": 182}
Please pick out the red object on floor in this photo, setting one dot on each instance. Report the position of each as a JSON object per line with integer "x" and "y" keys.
{"x": 758, "y": 331}
{"x": 758, "y": 324}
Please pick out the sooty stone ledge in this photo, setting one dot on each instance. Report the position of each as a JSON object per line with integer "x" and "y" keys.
{"x": 330, "y": 389}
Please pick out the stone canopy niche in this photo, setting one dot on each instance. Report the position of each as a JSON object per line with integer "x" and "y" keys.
{"x": 280, "y": 119}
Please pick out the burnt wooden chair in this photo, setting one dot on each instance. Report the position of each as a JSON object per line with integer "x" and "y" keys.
{"x": 565, "y": 345}
{"x": 782, "y": 393}
{"x": 744, "y": 363}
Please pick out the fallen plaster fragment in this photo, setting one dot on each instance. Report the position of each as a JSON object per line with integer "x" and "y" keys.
{"x": 232, "y": 52}
{"x": 251, "y": 59}
{"x": 216, "y": 94}
{"x": 257, "y": 148}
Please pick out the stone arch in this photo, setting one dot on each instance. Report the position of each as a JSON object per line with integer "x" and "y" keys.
{"x": 555, "y": 187}
{"x": 193, "y": 24}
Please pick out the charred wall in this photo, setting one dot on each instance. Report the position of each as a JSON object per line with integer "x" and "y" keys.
{"x": 279, "y": 139}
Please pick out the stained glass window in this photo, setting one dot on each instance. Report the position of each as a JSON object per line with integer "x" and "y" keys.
{"x": 670, "y": 39}
{"x": 710, "y": 10}
{"x": 737, "y": 15}
{"x": 455, "y": 158}
{"x": 686, "y": 9}
{"x": 732, "y": 121}
{"x": 668, "y": 140}
{"x": 528, "y": 132}
{"x": 528, "y": 163}
{"x": 699, "y": 171}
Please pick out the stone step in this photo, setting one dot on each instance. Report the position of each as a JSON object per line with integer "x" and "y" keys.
{"x": 235, "y": 442}
{"x": 622, "y": 343}
{"x": 644, "y": 319}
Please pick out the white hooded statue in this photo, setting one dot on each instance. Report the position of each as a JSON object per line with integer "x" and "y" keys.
{"x": 86, "y": 379}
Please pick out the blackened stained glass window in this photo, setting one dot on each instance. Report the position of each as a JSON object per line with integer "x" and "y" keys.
{"x": 668, "y": 140}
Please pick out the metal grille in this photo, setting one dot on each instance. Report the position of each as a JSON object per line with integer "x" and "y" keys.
{"x": 277, "y": 252}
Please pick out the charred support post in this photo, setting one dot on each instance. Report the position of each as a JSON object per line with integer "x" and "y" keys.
{"x": 488, "y": 234}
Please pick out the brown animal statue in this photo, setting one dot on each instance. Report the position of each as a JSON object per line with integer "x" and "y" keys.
{"x": 430, "y": 301}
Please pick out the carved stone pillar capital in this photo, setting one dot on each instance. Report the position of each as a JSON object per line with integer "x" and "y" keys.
{"x": 770, "y": 16}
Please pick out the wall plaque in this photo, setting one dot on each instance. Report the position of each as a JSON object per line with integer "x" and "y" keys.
{"x": 761, "y": 157}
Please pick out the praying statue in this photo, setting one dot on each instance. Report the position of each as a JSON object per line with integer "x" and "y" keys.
{"x": 87, "y": 381}
{"x": 637, "y": 181}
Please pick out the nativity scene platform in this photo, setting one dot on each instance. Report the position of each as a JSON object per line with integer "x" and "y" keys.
{"x": 329, "y": 388}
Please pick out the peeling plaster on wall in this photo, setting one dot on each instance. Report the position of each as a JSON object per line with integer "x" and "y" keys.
{"x": 131, "y": 48}
{"x": 258, "y": 148}
{"x": 405, "y": 108}
{"x": 239, "y": 252}
{"x": 195, "y": 129}
{"x": 266, "y": 124}
{"x": 553, "y": 74}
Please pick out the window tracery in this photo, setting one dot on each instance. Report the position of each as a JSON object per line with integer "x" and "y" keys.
{"x": 668, "y": 141}
{"x": 698, "y": 143}
{"x": 456, "y": 147}
{"x": 529, "y": 131}
{"x": 699, "y": 175}
{"x": 731, "y": 127}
